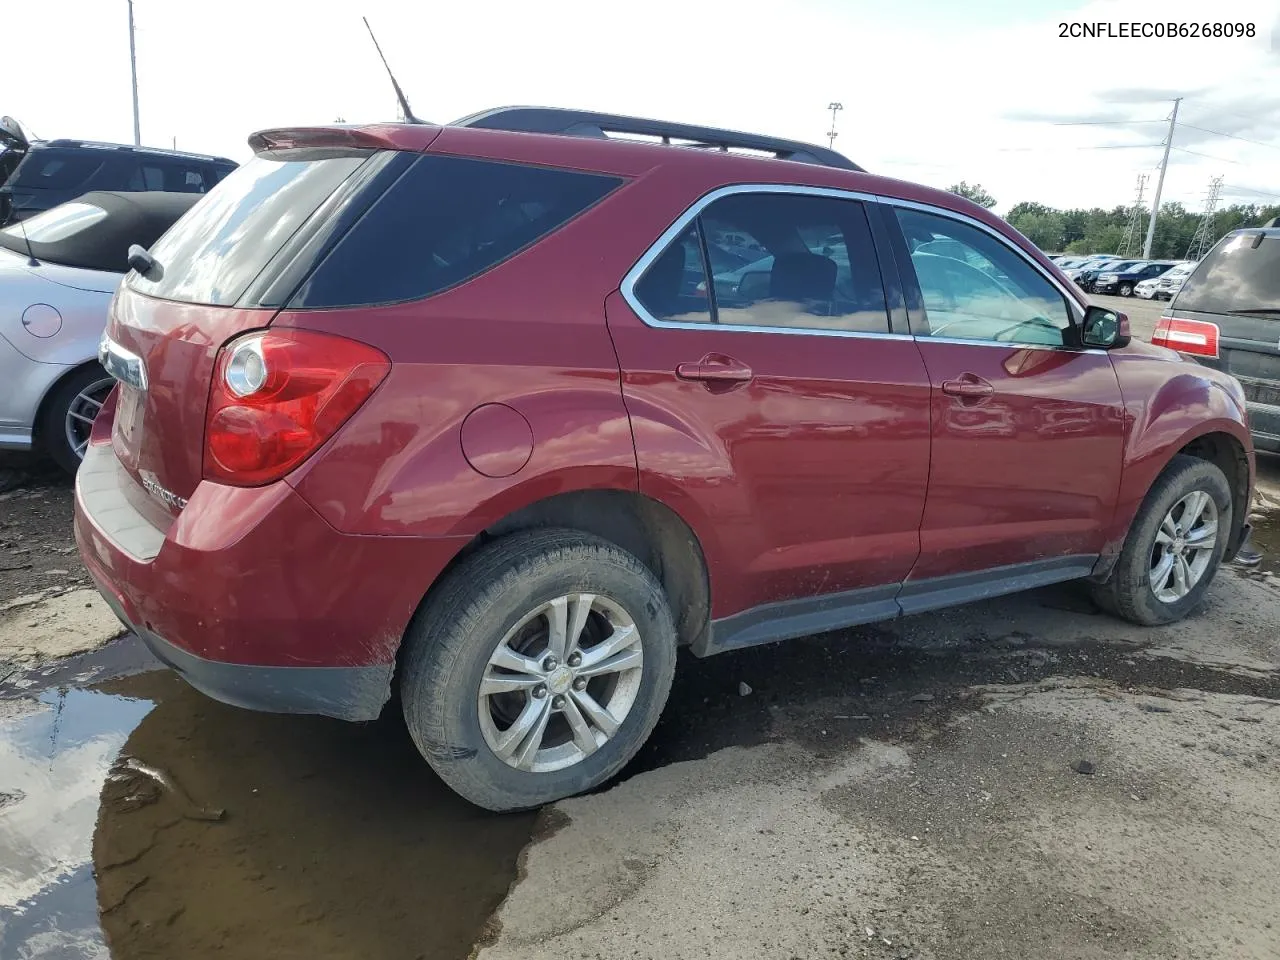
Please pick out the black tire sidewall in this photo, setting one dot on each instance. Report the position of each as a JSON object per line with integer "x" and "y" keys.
{"x": 1134, "y": 594}
{"x": 51, "y": 429}
{"x": 451, "y": 738}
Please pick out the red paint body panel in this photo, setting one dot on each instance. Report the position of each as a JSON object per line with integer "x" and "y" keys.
{"x": 810, "y": 479}
{"x": 1169, "y": 401}
{"x": 255, "y": 576}
{"x": 841, "y": 464}
{"x": 1028, "y": 473}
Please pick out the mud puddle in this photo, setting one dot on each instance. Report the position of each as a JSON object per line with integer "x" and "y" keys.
{"x": 140, "y": 819}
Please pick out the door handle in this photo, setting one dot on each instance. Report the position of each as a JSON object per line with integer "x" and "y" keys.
{"x": 968, "y": 386}
{"x": 715, "y": 368}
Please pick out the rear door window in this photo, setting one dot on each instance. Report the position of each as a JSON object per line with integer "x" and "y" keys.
{"x": 214, "y": 252}
{"x": 803, "y": 261}
{"x": 447, "y": 220}
{"x": 674, "y": 287}
{"x": 1241, "y": 273}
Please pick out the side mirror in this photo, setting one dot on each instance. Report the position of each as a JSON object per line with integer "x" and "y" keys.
{"x": 1104, "y": 329}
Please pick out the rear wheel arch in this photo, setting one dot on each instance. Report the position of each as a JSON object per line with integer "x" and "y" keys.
{"x": 41, "y": 425}
{"x": 651, "y": 531}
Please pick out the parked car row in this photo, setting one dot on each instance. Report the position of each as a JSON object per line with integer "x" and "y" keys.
{"x": 1108, "y": 273}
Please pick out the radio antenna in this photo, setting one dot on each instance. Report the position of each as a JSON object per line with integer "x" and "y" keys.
{"x": 31, "y": 257}
{"x": 404, "y": 101}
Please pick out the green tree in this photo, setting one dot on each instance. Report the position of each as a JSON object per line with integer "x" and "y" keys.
{"x": 975, "y": 193}
{"x": 1042, "y": 229}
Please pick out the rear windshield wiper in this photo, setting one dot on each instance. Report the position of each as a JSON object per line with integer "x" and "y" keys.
{"x": 1263, "y": 310}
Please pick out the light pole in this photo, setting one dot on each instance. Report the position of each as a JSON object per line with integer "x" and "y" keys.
{"x": 835, "y": 108}
{"x": 133, "y": 71}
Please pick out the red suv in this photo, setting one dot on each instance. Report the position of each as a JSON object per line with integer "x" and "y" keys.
{"x": 501, "y": 413}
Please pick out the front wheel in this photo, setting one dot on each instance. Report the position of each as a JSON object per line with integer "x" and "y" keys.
{"x": 1174, "y": 547}
{"x": 538, "y": 668}
{"x": 1126, "y": 290}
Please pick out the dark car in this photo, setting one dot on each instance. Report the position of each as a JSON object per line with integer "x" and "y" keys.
{"x": 459, "y": 411}
{"x": 39, "y": 175}
{"x": 1122, "y": 282}
{"x": 1085, "y": 278}
{"x": 1227, "y": 315}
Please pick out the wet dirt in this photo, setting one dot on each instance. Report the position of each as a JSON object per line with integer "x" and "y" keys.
{"x": 146, "y": 820}
{"x": 141, "y": 819}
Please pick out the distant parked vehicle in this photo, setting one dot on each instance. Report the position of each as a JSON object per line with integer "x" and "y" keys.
{"x": 58, "y": 272}
{"x": 1122, "y": 282}
{"x": 1093, "y": 263}
{"x": 39, "y": 175}
{"x": 1165, "y": 286}
{"x": 1227, "y": 315}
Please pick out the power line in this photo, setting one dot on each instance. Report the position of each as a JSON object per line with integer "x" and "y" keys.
{"x": 1261, "y": 193}
{"x": 1231, "y": 136}
{"x": 1098, "y": 123}
{"x": 1205, "y": 155}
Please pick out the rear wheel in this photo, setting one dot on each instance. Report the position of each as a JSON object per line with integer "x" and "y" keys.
{"x": 68, "y": 415}
{"x": 538, "y": 668}
{"x": 1174, "y": 547}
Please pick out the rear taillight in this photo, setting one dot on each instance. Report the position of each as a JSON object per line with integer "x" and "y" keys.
{"x": 278, "y": 395}
{"x": 1196, "y": 337}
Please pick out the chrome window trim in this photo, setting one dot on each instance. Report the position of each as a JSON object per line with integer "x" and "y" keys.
{"x": 668, "y": 236}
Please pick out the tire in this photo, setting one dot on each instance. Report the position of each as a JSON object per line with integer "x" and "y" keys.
{"x": 1128, "y": 591}
{"x": 79, "y": 395}
{"x": 473, "y": 613}
{"x": 1126, "y": 290}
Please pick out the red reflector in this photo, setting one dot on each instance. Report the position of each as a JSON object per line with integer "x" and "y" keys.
{"x": 1196, "y": 337}
{"x": 268, "y": 415}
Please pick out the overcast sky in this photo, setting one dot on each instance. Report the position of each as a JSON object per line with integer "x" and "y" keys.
{"x": 933, "y": 90}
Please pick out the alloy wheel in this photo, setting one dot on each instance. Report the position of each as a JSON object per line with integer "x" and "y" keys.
{"x": 1184, "y": 546}
{"x": 81, "y": 413}
{"x": 560, "y": 683}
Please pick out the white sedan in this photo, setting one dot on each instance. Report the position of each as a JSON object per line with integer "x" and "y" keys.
{"x": 58, "y": 272}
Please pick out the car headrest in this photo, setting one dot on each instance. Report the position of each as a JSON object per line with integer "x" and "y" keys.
{"x": 802, "y": 276}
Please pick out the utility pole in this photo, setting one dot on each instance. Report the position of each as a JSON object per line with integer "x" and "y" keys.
{"x": 133, "y": 70}
{"x": 1164, "y": 165}
{"x": 1135, "y": 216}
{"x": 1204, "y": 236}
{"x": 835, "y": 108}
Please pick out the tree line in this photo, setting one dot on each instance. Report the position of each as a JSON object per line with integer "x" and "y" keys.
{"x": 1103, "y": 231}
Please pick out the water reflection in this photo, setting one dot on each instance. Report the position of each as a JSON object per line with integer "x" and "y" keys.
{"x": 144, "y": 820}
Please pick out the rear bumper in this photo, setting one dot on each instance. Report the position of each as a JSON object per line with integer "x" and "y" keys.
{"x": 347, "y": 693}
{"x": 251, "y": 595}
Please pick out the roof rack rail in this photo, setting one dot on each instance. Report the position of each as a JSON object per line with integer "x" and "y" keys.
{"x": 129, "y": 148}
{"x": 585, "y": 123}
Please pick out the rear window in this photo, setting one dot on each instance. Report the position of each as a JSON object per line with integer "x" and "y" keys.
{"x": 63, "y": 221}
{"x": 448, "y": 219}
{"x": 1241, "y": 273}
{"x": 214, "y": 252}
{"x": 57, "y": 171}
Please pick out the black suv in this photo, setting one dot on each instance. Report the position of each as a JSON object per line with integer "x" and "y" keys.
{"x": 44, "y": 173}
{"x": 1227, "y": 314}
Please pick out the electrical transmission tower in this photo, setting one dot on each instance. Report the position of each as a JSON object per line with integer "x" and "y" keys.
{"x": 1135, "y": 218}
{"x": 1205, "y": 237}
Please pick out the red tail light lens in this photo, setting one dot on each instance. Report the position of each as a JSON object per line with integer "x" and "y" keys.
{"x": 1196, "y": 337}
{"x": 278, "y": 395}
